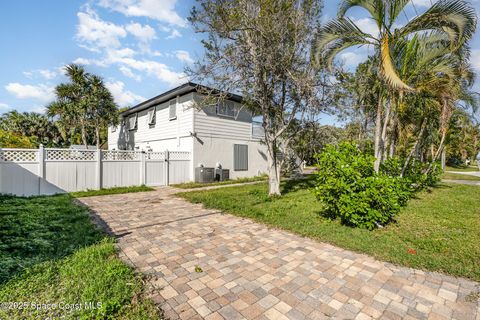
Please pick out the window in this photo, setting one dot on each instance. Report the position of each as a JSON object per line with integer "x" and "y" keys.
{"x": 172, "y": 109}
{"x": 240, "y": 157}
{"x": 132, "y": 122}
{"x": 151, "y": 116}
{"x": 226, "y": 108}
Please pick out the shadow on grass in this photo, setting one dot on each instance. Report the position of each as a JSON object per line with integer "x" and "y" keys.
{"x": 298, "y": 184}
{"x": 38, "y": 229}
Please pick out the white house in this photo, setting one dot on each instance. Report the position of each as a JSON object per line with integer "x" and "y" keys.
{"x": 219, "y": 135}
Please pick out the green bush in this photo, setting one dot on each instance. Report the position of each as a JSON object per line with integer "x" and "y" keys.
{"x": 414, "y": 177}
{"x": 349, "y": 188}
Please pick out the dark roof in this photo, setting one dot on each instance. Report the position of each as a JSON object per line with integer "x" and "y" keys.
{"x": 178, "y": 91}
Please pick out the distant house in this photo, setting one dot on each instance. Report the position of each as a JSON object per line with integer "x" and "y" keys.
{"x": 221, "y": 135}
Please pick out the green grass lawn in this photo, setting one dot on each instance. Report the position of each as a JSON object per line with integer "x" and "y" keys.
{"x": 194, "y": 185}
{"x": 50, "y": 252}
{"x": 458, "y": 176}
{"x": 442, "y": 226}
{"x": 462, "y": 169}
{"x": 103, "y": 192}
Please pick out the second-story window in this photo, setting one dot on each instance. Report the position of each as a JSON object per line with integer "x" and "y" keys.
{"x": 226, "y": 109}
{"x": 132, "y": 122}
{"x": 172, "y": 109}
{"x": 151, "y": 116}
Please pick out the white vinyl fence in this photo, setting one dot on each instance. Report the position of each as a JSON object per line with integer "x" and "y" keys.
{"x": 29, "y": 172}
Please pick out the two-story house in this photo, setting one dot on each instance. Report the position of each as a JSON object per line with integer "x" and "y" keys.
{"x": 217, "y": 135}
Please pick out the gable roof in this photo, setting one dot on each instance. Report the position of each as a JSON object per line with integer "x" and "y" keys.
{"x": 181, "y": 90}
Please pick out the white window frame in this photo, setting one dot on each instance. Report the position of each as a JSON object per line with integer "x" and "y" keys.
{"x": 152, "y": 116}
{"x": 170, "y": 105}
{"x": 227, "y": 103}
{"x": 130, "y": 128}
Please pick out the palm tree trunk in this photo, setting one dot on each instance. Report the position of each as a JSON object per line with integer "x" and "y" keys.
{"x": 414, "y": 148}
{"x": 378, "y": 134}
{"x": 97, "y": 135}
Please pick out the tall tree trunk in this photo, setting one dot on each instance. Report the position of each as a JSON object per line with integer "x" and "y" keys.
{"x": 97, "y": 135}
{"x": 414, "y": 149}
{"x": 444, "y": 158}
{"x": 273, "y": 173}
{"x": 438, "y": 153}
{"x": 378, "y": 135}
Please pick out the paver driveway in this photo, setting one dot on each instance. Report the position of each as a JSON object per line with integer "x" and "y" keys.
{"x": 253, "y": 272}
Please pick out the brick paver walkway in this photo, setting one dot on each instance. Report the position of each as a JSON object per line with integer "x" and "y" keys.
{"x": 207, "y": 265}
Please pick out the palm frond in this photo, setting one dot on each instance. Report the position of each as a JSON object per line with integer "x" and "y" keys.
{"x": 456, "y": 18}
{"x": 336, "y": 36}
{"x": 374, "y": 7}
{"x": 388, "y": 69}
{"x": 395, "y": 8}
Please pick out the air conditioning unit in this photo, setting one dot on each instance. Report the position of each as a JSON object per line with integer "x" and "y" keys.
{"x": 222, "y": 174}
{"x": 204, "y": 175}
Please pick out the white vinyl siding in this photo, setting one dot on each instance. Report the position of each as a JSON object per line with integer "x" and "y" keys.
{"x": 240, "y": 157}
{"x": 172, "y": 109}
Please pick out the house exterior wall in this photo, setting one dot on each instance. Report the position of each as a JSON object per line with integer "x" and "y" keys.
{"x": 216, "y": 135}
{"x": 209, "y": 151}
{"x": 165, "y": 134}
{"x": 212, "y": 142}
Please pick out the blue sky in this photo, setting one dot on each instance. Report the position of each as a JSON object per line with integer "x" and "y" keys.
{"x": 140, "y": 47}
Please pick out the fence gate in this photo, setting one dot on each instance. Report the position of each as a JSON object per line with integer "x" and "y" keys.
{"x": 29, "y": 172}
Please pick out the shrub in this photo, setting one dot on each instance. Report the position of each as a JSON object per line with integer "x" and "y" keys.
{"x": 414, "y": 177}
{"x": 349, "y": 188}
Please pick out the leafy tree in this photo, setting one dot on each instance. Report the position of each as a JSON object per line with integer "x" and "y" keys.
{"x": 261, "y": 49}
{"x": 83, "y": 105}
{"x": 35, "y": 127}
{"x": 454, "y": 18}
{"x": 9, "y": 139}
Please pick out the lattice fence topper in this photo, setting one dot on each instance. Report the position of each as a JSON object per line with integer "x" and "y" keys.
{"x": 18, "y": 155}
{"x": 155, "y": 156}
{"x": 120, "y": 155}
{"x": 179, "y": 155}
{"x": 70, "y": 155}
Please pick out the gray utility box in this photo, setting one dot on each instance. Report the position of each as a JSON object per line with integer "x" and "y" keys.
{"x": 204, "y": 175}
{"x": 222, "y": 174}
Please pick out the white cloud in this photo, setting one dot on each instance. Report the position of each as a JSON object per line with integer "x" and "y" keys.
{"x": 476, "y": 59}
{"x": 143, "y": 33}
{"x": 183, "y": 56}
{"x": 129, "y": 73}
{"x": 83, "y": 61}
{"x": 47, "y": 74}
{"x": 94, "y": 33}
{"x": 163, "y": 10}
{"x": 154, "y": 68}
{"x": 4, "y": 106}
{"x": 40, "y": 92}
{"x": 367, "y": 25}
{"x": 172, "y": 32}
{"x": 44, "y": 73}
{"x": 352, "y": 59}
{"x": 122, "y": 97}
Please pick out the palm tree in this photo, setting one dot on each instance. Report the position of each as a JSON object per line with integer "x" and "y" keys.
{"x": 454, "y": 18}
{"x": 103, "y": 110}
{"x": 84, "y": 104}
{"x": 71, "y": 106}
